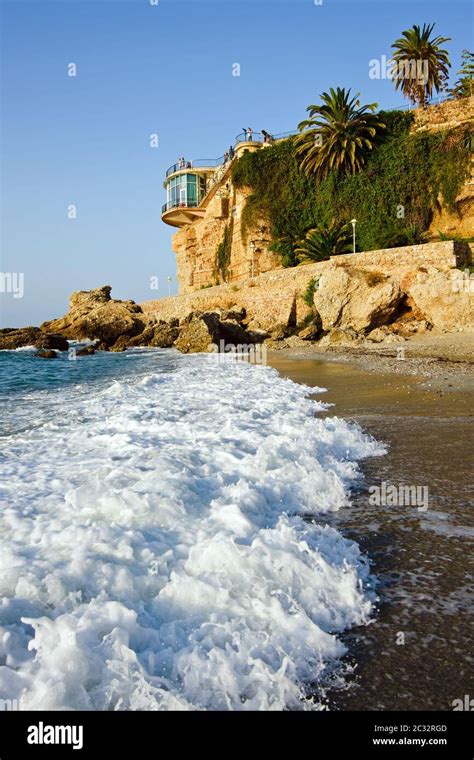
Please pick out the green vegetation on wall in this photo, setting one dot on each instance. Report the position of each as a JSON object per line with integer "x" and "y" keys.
{"x": 308, "y": 295}
{"x": 223, "y": 253}
{"x": 393, "y": 198}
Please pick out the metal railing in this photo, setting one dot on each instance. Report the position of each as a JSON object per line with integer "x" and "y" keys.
{"x": 199, "y": 162}
{"x": 179, "y": 204}
{"x": 214, "y": 162}
{"x": 260, "y": 137}
{"x": 414, "y": 106}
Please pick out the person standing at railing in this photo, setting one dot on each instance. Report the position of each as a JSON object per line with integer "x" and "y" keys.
{"x": 231, "y": 152}
{"x": 181, "y": 162}
{"x": 248, "y": 134}
{"x": 226, "y": 157}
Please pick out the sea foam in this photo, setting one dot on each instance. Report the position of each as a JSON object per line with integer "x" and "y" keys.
{"x": 164, "y": 545}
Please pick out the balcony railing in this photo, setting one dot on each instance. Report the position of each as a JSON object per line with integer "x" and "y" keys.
{"x": 198, "y": 163}
{"x": 260, "y": 138}
{"x": 213, "y": 162}
{"x": 179, "y": 204}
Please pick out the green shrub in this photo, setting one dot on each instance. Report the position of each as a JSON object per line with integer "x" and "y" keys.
{"x": 223, "y": 252}
{"x": 393, "y": 198}
{"x": 308, "y": 295}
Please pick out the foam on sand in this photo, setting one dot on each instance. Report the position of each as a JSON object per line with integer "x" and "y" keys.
{"x": 155, "y": 553}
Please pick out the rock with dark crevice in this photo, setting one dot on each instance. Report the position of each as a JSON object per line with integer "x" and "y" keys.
{"x": 11, "y": 338}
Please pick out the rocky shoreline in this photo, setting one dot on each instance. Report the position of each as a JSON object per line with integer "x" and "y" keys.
{"x": 418, "y": 325}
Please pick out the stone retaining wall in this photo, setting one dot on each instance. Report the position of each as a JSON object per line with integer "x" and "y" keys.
{"x": 277, "y": 296}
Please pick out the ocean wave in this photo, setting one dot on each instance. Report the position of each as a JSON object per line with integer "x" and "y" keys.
{"x": 164, "y": 545}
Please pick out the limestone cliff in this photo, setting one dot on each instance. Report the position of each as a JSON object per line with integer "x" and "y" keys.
{"x": 212, "y": 249}
{"x": 197, "y": 245}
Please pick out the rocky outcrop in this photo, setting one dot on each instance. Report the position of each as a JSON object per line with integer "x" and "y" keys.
{"x": 313, "y": 330}
{"x": 94, "y": 315}
{"x": 353, "y": 298}
{"x": 161, "y": 335}
{"x": 200, "y": 330}
{"x": 444, "y": 296}
{"x": 11, "y": 338}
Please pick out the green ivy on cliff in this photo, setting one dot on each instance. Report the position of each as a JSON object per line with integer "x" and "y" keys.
{"x": 393, "y": 198}
{"x": 223, "y": 253}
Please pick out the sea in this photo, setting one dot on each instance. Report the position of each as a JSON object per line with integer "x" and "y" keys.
{"x": 165, "y": 542}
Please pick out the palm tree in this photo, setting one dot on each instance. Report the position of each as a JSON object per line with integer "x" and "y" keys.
{"x": 324, "y": 241}
{"x": 463, "y": 87}
{"x": 420, "y": 64}
{"x": 337, "y": 135}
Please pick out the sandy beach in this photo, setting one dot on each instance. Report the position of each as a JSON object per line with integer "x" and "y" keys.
{"x": 441, "y": 362}
{"x": 415, "y": 654}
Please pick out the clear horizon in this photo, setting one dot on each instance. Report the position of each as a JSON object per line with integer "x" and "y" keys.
{"x": 165, "y": 70}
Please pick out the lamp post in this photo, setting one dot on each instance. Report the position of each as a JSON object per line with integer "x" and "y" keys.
{"x": 169, "y": 278}
{"x": 353, "y": 222}
{"x": 252, "y": 251}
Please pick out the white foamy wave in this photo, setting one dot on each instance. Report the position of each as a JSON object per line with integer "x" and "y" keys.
{"x": 28, "y": 349}
{"x": 155, "y": 552}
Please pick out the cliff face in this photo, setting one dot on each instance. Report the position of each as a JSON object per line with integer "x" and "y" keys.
{"x": 197, "y": 245}
{"x": 212, "y": 250}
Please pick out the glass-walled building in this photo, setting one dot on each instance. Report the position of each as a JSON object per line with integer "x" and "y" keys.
{"x": 185, "y": 190}
{"x": 186, "y": 187}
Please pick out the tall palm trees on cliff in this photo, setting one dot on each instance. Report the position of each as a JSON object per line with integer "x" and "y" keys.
{"x": 421, "y": 64}
{"x": 338, "y": 134}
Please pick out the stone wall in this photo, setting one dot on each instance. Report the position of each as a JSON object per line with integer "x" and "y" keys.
{"x": 276, "y": 297}
{"x": 447, "y": 115}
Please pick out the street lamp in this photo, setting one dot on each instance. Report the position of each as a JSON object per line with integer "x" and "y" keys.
{"x": 353, "y": 222}
{"x": 252, "y": 251}
{"x": 169, "y": 278}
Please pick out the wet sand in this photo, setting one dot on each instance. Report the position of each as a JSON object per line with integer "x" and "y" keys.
{"x": 416, "y": 655}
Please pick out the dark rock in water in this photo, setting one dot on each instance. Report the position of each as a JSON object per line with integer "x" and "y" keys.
{"x": 165, "y": 335}
{"x": 11, "y": 338}
{"x": 200, "y": 330}
{"x": 47, "y": 354}
{"x": 232, "y": 332}
{"x": 85, "y": 351}
{"x": 93, "y": 314}
{"x": 160, "y": 335}
{"x": 120, "y": 345}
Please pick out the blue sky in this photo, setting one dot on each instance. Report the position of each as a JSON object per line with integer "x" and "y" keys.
{"x": 165, "y": 69}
